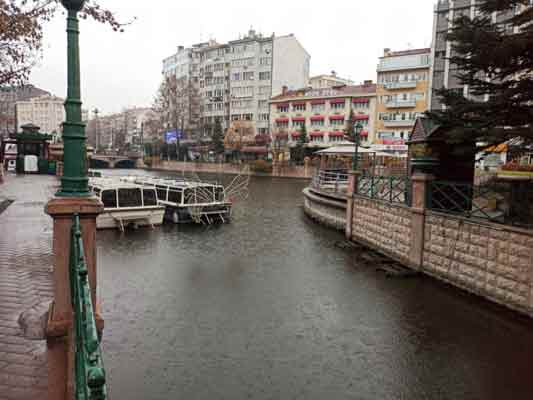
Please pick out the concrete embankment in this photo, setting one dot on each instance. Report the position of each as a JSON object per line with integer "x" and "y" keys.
{"x": 232, "y": 169}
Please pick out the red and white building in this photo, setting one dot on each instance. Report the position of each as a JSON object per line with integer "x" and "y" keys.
{"x": 324, "y": 112}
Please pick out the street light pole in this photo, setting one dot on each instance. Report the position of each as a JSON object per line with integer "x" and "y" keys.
{"x": 357, "y": 136}
{"x": 74, "y": 182}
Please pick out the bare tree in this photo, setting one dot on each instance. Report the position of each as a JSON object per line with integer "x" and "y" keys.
{"x": 21, "y": 33}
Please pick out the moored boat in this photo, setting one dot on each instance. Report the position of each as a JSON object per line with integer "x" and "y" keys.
{"x": 188, "y": 201}
{"x": 126, "y": 204}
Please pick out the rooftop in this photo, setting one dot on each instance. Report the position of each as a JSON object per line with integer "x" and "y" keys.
{"x": 411, "y": 52}
{"x": 336, "y": 91}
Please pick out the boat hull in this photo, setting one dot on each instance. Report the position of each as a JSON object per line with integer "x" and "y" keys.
{"x": 122, "y": 218}
{"x": 220, "y": 213}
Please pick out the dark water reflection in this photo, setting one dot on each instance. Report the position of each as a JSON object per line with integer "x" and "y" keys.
{"x": 268, "y": 308}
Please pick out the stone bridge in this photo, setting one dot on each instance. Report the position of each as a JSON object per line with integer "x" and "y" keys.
{"x": 132, "y": 160}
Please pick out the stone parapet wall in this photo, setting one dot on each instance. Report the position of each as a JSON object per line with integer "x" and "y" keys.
{"x": 325, "y": 210}
{"x": 490, "y": 260}
{"x": 383, "y": 226}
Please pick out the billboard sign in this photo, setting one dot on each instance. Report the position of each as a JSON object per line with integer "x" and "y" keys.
{"x": 172, "y": 136}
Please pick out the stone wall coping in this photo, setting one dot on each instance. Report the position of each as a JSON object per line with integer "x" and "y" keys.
{"x": 384, "y": 202}
{"x": 333, "y": 201}
{"x": 485, "y": 224}
{"x": 67, "y": 206}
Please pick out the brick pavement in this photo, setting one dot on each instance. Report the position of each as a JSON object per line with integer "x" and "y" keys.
{"x": 25, "y": 281}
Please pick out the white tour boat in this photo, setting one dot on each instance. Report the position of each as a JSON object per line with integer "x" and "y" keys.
{"x": 126, "y": 204}
{"x": 189, "y": 200}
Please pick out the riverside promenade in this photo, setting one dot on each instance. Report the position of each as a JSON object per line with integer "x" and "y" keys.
{"x": 26, "y": 284}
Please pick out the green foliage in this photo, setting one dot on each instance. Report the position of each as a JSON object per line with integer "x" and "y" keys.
{"x": 496, "y": 62}
{"x": 218, "y": 137}
{"x": 349, "y": 130}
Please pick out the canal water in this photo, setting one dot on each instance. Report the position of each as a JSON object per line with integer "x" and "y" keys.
{"x": 267, "y": 307}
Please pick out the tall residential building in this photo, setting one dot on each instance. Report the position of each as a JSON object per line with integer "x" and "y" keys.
{"x": 234, "y": 81}
{"x": 9, "y": 95}
{"x": 328, "y": 81}
{"x": 402, "y": 93}
{"x": 443, "y": 72}
{"x": 324, "y": 112}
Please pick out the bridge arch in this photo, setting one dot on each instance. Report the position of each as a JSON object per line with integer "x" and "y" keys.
{"x": 125, "y": 164}
{"x": 97, "y": 163}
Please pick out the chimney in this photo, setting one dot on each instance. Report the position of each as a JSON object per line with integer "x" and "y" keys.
{"x": 284, "y": 90}
{"x": 386, "y": 52}
{"x": 334, "y": 74}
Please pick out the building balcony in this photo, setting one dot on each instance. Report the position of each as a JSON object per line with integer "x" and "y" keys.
{"x": 401, "y": 104}
{"x": 400, "y": 85}
{"x": 399, "y": 123}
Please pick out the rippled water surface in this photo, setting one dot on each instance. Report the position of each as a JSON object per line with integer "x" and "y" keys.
{"x": 268, "y": 308}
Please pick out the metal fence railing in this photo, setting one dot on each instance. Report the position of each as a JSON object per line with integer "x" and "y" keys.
{"x": 89, "y": 370}
{"x": 466, "y": 200}
{"x": 392, "y": 189}
{"x": 331, "y": 181}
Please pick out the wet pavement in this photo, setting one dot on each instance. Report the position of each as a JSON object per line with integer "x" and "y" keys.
{"x": 25, "y": 282}
{"x": 268, "y": 307}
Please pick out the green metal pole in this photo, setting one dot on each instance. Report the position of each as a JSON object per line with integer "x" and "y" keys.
{"x": 74, "y": 182}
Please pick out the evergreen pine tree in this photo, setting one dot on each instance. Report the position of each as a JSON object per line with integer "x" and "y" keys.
{"x": 349, "y": 130}
{"x": 495, "y": 60}
{"x": 218, "y": 138}
{"x": 299, "y": 150}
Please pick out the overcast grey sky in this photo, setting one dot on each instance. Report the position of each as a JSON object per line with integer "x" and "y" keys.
{"x": 124, "y": 69}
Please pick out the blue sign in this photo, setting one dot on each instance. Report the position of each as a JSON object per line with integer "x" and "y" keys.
{"x": 172, "y": 137}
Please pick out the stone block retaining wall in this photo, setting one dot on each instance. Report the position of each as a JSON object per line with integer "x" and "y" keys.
{"x": 384, "y": 226}
{"x": 493, "y": 261}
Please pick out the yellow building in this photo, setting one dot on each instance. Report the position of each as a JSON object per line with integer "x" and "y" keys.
{"x": 402, "y": 93}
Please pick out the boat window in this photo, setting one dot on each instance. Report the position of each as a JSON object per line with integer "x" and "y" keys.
{"x": 174, "y": 196}
{"x": 149, "y": 197}
{"x": 130, "y": 197}
{"x": 96, "y": 191}
{"x": 219, "y": 193}
{"x": 161, "y": 192}
{"x": 109, "y": 198}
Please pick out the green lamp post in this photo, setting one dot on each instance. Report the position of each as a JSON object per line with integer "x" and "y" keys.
{"x": 356, "y": 137}
{"x": 74, "y": 182}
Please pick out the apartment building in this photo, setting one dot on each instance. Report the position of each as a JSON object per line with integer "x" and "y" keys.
{"x": 328, "y": 81}
{"x": 402, "y": 93}
{"x": 47, "y": 112}
{"x": 324, "y": 112}
{"x": 234, "y": 81}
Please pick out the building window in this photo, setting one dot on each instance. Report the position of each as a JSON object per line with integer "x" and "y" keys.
{"x": 282, "y": 124}
{"x": 317, "y": 122}
{"x": 236, "y": 76}
{"x": 283, "y": 109}
{"x": 298, "y": 124}
{"x": 263, "y": 117}
{"x": 336, "y": 122}
{"x": 318, "y": 107}
{"x": 247, "y": 76}
{"x": 248, "y": 117}
{"x": 265, "y": 61}
{"x": 298, "y": 107}
{"x": 337, "y": 106}
{"x": 264, "y": 76}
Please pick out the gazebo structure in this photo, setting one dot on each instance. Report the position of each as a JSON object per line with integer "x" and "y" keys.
{"x": 430, "y": 152}
{"x": 30, "y": 142}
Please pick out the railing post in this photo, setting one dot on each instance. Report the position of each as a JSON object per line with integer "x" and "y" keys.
{"x": 59, "y": 328}
{"x": 421, "y": 183}
{"x": 353, "y": 182}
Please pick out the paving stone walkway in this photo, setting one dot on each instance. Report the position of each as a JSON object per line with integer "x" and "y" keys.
{"x": 25, "y": 281}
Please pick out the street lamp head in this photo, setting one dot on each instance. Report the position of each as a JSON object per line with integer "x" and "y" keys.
{"x": 73, "y": 5}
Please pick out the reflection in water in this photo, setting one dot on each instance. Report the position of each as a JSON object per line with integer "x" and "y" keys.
{"x": 268, "y": 308}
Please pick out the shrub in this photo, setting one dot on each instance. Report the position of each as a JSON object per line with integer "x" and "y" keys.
{"x": 513, "y": 166}
{"x": 262, "y": 166}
